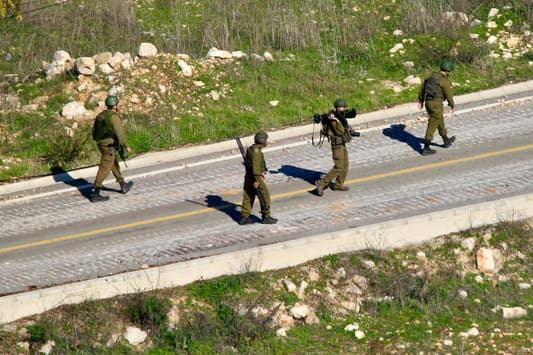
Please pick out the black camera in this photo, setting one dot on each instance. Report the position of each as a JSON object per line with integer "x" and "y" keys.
{"x": 320, "y": 118}
{"x": 354, "y": 133}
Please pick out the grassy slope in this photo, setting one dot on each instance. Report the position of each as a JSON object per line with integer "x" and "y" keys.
{"x": 338, "y": 48}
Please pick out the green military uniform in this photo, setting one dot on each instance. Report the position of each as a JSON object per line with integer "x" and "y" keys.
{"x": 108, "y": 151}
{"x": 339, "y": 152}
{"x": 434, "y": 104}
{"x": 255, "y": 170}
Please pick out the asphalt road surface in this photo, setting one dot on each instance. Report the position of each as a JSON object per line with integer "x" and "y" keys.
{"x": 177, "y": 212}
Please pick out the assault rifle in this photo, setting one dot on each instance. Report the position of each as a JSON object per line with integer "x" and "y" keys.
{"x": 122, "y": 154}
{"x": 248, "y": 164}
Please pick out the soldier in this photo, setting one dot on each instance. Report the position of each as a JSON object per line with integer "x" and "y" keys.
{"x": 109, "y": 136}
{"x": 254, "y": 182}
{"x": 339, "y": 133}
{"x": 434, "y": 91}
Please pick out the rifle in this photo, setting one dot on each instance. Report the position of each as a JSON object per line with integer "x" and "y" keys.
{"x": 248, "y": 164}
{"x": 121, "y": 153}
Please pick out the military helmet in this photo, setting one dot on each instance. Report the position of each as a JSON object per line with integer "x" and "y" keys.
{"x": 340, "y": 102}
{"x": 260, "y": 137}
{"x": 446, "y": 65}
{"x": 111, "y": 101}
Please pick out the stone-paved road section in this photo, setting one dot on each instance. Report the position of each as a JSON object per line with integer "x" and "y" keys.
{"x": 180, "y": 214}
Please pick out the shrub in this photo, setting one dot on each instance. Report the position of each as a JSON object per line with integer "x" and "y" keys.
{"x": 149, "y": 312}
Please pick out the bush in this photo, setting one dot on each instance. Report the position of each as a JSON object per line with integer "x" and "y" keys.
{"x": 149, "y": 312}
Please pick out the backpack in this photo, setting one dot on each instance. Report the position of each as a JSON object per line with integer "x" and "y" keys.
{"x": 431, "y": 87}
{"x": 103, "y": 127}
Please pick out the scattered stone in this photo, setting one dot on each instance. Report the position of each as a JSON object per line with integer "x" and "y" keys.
{"x": 215, "y": 95}
{"x": 147, "y": 50}
{"x": 86, "y": 66}
{"x": 9, "y": 102}
{"x": 238, "y": 54}
{"x": 301, "y": 290}
{"x": 268, "y": 57}
{"x": 396, "y": 48}
{"x": 312, "y": 318}
{"x": 492, "y": 24}
{"x": 24, "y": 345}
{"x": 219, "y": 54}
{"x": 493, "y": 12}
{"x": 47, "y": 348}
{"x": 103, "y": 58}
{"x": 463, "y": 294}
{"x": 397, "y": 33}
{"x": 351, "y": 327}
{"x": 289, "y": 285}
{"x": 524, "y": 286}
{"x": 134, "y": 335}
{"x": 478, "y": 279}
{"x": 73, "y": 110}
{"x": 448, "y": 342}
{"x": 489, "y": 260}
{"x": 313, "y": 275}
{"x": 368, "y": 264}
{"x": 341, "y": 273}
{"x": 299, "y": 311}
{"x": 281, "y": 332}
{"x": 273, "y": 103}
{"x": 115, "y": 61}
{"x": 513, "y": 312}
{"x": 468, "y": 243}
{"x": 412, "y": 80}
{"x": 456, "y": 18}
{"x": 408, "y": 65}
{"x": 186, "y": 69}
{"x": 105, "y": 69}
{"x": 359, "y": 334}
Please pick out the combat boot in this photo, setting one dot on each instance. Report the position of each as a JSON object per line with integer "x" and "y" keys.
{"x": 126, "y": 186}
{"x": 427, "y": 150}
{"x": 96, "y": 197}
{"x": 269, "y": 220}
{"x": 340, "y": 188}
{"x": 319, "y": 188}
{"x": 245, "y": 220}
{"x": 448, "y": 141}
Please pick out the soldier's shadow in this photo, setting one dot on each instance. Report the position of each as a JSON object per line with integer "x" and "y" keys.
{"x": 228, "y": 207}
{"x": 398, "y": 132}
{"x": 310, "y": 176}
{"x": 61, "y": 175}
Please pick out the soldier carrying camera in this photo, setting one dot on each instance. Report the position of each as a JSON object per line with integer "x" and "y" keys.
{"x": 335, "y": 127}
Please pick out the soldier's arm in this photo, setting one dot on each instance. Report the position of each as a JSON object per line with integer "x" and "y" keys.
{"x": 119, "y": 131}
{"x": 337, "y": 127}
{"x": 257, "y": 166}
{"x": 447, "y": 92}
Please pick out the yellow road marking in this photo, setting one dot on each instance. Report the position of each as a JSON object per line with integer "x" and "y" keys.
{"x": 278, "y": 196}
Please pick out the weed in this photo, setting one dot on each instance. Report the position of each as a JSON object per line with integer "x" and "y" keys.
{"x": 288, "y": 298}
{"x": 219, "y": 289}
{"x": 149, "y": 312}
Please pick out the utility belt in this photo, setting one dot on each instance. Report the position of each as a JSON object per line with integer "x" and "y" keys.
{"x": 432, "y": 98}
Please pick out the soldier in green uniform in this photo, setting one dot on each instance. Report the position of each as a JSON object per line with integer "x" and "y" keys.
{"x": 338, "y": 133}
{"x": 434, "y": 91}
{"x": 109, "y": 136}
{"x": 254, "y": 182}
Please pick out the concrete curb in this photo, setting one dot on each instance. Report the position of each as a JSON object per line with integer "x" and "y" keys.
{"x": 154, "y": 158}
{"x": 391, "y": 234}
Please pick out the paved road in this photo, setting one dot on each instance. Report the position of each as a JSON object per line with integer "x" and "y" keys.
{"x": 175, "y": 213}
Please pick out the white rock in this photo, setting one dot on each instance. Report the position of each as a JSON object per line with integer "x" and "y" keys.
{"x": 47, "y": 348}
{"x": 24, "y": 345}
{"x": 218, "y": 54}
{"x": 341, "y": 273}
{"x": 115, "y": 60}
{"x": 474, "y": 36}
{"x": 493, "y": 12}
{"x": 478, "y": 279}
{"x": 513, "y": 312}
{"x": 408, "y": 65}
{"x": 524, "y": 286}
{"x": 105, "y": 68}
{"x": 162, "y": 88}
{"x": 368, "y": 264}
{"x": 281, "y": 332}
{"x": 73, "y": 110}
{"x": 508, "y": 24}
{"x": 299, "y": 311}
{"x": 259, "y": 311}
{"x": 492, "y": 39}
{"x": 473, "y": 332}
{"x": 186, "y": 69}
{"x": 421, "y": 256}
{"x": 215, "y": 95}
{"x": 476, "y": 22}
{"x": 289, "y": 285}
{"x": 412, "y": 80}
{"x": 463, "y": 294}
{"x": 489, "y": 260}
{"x": 116, "y": 90}
{"x": 397, "y": 33}
{"x": 61, "y": 57}
{"x": 351, "y": 327}
{"x": 135, "y": 336}
{"x": 468, "y": 243}
{"x": 147, "y": 50}
{"x": 313, "y": 275}
{"x": 86, "y": 65}
{"x": 268, "y": 57}
{"x": 396, "y": 48}
{"x": 459, "y": 18}
{"x": 492, "y": 24}
{"x": 507, "y": 55}
{"x": 103, "y": 58}
{"x": 238, "y": 54}
{"x": 448, "y": 342}
{"x": 273, "y": 103}
{"x": 312, "y": 318}
{"x": 257, "y": 57}
{"x": 301, "y": 290}
{"x": 359, "y": 334}
{"x": 198, "y": 83}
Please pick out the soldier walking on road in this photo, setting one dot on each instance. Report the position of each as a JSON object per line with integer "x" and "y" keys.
{"x": 254, "y": 181}
{"x": 339, "y": 133}
{"x": 110, "y": 137}
{"x": 434, "y": 91}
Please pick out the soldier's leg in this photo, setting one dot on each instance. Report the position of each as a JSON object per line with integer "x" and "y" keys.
{"x": 265, "y": 210}
{"x": 444, "y": 134}
{"x": 248, "y": 196}
{"x": 432, "y": 108}
{"x": 343, "y": 169}
{"x": 336, "y": 169}
{"x": 106, "y": 164}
